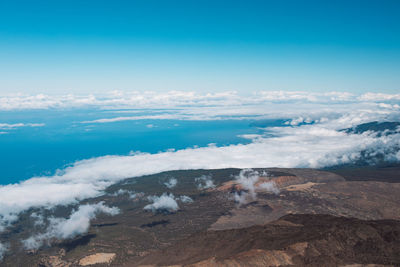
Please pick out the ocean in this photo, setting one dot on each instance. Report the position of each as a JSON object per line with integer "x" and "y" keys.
{"x": 52, "y": 139}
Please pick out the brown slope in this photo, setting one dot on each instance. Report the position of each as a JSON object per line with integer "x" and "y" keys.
{"x": 299, "y": 240}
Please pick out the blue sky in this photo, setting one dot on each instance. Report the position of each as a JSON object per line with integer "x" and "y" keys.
{"x": 96, "y": 46}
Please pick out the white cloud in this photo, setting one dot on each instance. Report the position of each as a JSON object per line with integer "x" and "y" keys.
{"x": 204, "y": 182}
{"x": 165, "y": 202}
{"x": 135, "y": 118}
{"x": 186, "y": 199}
{"x": 250, "y": 136}
{"x": 122, "y": 192}
{"x": 9, "y": 126}
{"x": 299, "y": 120}
{"x": 78, "y": 223}
{"x": 269, "y": 187}
{"x": 378, "y": 97}
{"x": 173, "y": 99}
{"x": 247, "y": 178}
{"x": 241, "y": 197}
{"x": 171, "y": 183}
{"x": 114, "y": 100}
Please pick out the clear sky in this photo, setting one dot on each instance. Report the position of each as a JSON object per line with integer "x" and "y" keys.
{"x": 80, "y": 46}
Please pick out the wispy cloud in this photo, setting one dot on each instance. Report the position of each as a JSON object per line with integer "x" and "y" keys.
{"x": 186, "y": 199}
{"x": 248, "y": 179}
{"x": 204, "y": 182}
{"x": 123, "y": 192}
{"x": 171, "y": 183}
{"x": 9, "y": 126}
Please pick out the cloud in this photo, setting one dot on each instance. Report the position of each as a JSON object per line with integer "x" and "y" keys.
{"x": 378, "y": 97}
{"x": 78, "y": 223}
{"x": 204, "y": 182}
{"x": 173, "y": 99}
{"x": 299, "y": 106}
{"x": 248, "y": 179}
{"x": 9, "y": 126}
{"x": 135, "y": 118}
{"x": 250, "y": 136}
{"x": 38, "y": 219}
{"x": 122, "y": 192}
{"x": 269, "y": 187}
{"x": 165, "y": 202}
{"x": 121, "y": 99}
{"x": 299, "y": 120}
{"x": 304, "y": 96}
{"x": 171, "y": 183}
{"x": 186, "y": 199}
{"x": 241, "y": 197}
{"x": 3, "y": 250}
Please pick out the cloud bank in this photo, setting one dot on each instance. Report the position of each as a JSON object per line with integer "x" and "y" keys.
{"x": 315, "y": 146}
{"x": 311, "y": 138}
{"x": 172, "y": 99}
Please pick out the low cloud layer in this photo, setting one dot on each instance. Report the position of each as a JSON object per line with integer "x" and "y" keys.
{"x": 137, "y": 99}
{"x": 78, "y": 223}
{"x": 312, "y": 140}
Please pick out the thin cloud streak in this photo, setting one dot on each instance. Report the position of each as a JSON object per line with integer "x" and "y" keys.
{"x": 10, "y": 126}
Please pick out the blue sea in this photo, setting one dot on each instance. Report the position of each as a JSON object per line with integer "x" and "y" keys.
{"x": 62, "y": 140}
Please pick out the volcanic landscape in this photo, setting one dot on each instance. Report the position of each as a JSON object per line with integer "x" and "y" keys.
{"x": 231, "y": 217}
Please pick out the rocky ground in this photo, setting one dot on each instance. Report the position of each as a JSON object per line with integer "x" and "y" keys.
{"x": 285, "y": 217}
